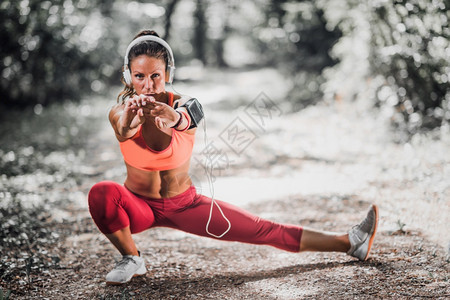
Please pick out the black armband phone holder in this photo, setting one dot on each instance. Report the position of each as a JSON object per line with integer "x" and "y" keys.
{"x": 195, "y": 111}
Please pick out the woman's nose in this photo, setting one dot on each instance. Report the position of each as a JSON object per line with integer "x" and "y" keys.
{"x": 148, "y": 83}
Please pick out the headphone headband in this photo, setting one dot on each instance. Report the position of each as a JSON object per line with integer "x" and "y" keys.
{"x": 152, "y": 38}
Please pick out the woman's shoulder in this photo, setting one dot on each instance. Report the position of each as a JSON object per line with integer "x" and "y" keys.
{"x": 117, "y": 106}
{"x": 115, "y": 111}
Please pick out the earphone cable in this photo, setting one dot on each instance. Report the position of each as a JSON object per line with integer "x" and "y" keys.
{"x": 209, "y": 175}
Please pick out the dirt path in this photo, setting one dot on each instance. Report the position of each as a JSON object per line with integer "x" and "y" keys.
{"x": 320, "y": 168}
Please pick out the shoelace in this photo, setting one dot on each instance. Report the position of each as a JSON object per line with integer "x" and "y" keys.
{"x": 366, "y": 222}
{"x": 122, "y": 264}
{"x": 361, "y": 228}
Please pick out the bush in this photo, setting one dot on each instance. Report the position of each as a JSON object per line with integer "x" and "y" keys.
{"x": 410, "y": 49}
{"x": 41, "y": 166}
{"x": 48, "y": 50}
{"x": 297, "y": 39}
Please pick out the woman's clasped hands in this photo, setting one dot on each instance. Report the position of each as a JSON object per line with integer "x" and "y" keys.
{"x": 142, "y": 107}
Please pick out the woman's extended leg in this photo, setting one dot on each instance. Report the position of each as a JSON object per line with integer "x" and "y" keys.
{"x": 314, "y": 240}
{"x": 245, "y": 227}
{"x": 356, "y": 243}
{"x": 249, "y": 228}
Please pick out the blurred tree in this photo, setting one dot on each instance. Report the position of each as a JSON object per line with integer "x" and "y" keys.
{"x": 295, "y": 37}
{"x": 200, "y": 38}
{"x": 347, "y": 79}
{"x": 169, "y": 12}
{"x": 51, "y": 51}
{"x": 411, "y": 50}
{"x": 220, "y": 29}
{"x": 54, "y": 50}
{"x": 219, "y": 47}
{"x": 201, "y": 29}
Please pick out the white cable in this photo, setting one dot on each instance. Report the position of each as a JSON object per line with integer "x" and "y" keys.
{"x": 171, "y": 85}
{"x": 208, "y": 172}
{"x": 211, "y": 189}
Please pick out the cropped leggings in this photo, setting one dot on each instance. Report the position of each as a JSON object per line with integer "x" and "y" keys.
{"x": 113, "y": 207}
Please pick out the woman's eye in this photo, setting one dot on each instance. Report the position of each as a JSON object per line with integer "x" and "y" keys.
{"x": 139, "y": 76}
{"x": 155, "y": 75}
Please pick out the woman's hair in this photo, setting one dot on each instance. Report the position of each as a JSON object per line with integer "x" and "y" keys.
{"x": 150, "y": 48}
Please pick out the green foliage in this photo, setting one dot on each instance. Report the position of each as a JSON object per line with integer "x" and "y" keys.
{"x": 296, "y": 38}
{"x": 35, "y": 140}
{"x": 4, "y": 296}
{"x": 410, "y": 49}
{"x": 41, "y": 149}
{"x": 334, "y": 49}
{"x": 62, "y": 49}
{"x": 51, "y": 50}
{"x": 394, "y": 54}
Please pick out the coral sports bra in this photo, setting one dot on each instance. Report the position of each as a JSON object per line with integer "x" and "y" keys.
{"x": 137, "y": 154}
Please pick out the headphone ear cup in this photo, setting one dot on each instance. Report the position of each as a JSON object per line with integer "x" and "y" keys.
{"x": 127, "y": 76}
{"x": 169, "y": 74}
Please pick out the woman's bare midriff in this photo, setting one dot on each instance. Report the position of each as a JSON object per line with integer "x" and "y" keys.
{"x": 158, "y": 184}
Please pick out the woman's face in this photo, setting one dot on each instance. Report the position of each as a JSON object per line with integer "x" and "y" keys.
{"x": 148, "y": 75}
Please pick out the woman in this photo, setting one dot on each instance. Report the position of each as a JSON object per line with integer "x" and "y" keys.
{"x": 155, "y": 132}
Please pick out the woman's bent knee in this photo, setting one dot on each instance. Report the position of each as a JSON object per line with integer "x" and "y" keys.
{"x": 101, "y": 192}
{"x": 103, "y": 197}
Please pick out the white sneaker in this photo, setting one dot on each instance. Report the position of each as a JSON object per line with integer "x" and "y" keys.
{"x": 129, "y": 267}
{"x": 361, "y": 236}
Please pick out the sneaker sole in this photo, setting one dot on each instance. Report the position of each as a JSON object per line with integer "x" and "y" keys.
{"x": 120, "y": 283}
{"x": 372, "y": 237}
{"x": 138, "y": 273}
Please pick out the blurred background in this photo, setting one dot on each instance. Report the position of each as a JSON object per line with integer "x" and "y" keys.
{"x": 396, "y": 53}
{"x": 363, "y": 87}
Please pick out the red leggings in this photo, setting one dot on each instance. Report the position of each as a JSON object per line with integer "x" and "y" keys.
{"x": 114, "y": 207}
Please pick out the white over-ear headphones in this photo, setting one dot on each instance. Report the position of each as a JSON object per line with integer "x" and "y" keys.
{"x": 171, "y": 63}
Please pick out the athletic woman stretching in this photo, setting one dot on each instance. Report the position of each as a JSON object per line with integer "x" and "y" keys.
{"x": 155, "y": 130}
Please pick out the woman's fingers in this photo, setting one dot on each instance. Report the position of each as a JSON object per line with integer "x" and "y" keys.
{"x": 159, "y": 123}
{"x": 157, "y": 110}
{"x": 135, "y": 100}
{"x": 144, "y": 106}
{"x": 140, "y": 101}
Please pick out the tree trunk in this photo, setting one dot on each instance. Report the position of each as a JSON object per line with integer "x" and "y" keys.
{"x": 170, "y": 10}
{"x": 199, "y": 40}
